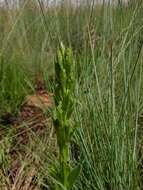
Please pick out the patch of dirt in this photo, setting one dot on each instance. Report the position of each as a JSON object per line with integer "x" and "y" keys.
{"x": 24, "y": 182}
{"x": 32, "y": 112}
{"x": 34, "y": 117}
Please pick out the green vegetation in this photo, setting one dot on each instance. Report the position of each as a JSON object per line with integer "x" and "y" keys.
{"x": 64, "y": 105}
{"x": 106, "y": 42}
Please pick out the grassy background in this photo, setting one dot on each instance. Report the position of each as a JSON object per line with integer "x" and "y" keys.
{"x": 107, "y": 44}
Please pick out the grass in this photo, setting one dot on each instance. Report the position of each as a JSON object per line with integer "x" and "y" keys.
{"x": 107, "y": 45}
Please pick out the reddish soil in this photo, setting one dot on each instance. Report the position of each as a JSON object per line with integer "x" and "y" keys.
{"x": 32, "y": 114}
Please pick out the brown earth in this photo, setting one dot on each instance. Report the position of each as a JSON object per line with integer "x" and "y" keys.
{"x": 32, "y": 117}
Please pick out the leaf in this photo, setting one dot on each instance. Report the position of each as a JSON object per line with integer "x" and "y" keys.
{"x": 73, "y": 176}
{"x": 72, "y": 131}
{"x": 59, "y": 185}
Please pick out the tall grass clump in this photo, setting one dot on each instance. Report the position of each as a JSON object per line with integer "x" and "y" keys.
{"x": 109, "y": 93}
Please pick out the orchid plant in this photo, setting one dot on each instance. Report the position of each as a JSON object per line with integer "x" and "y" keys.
{"x": 64, "y": 174}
